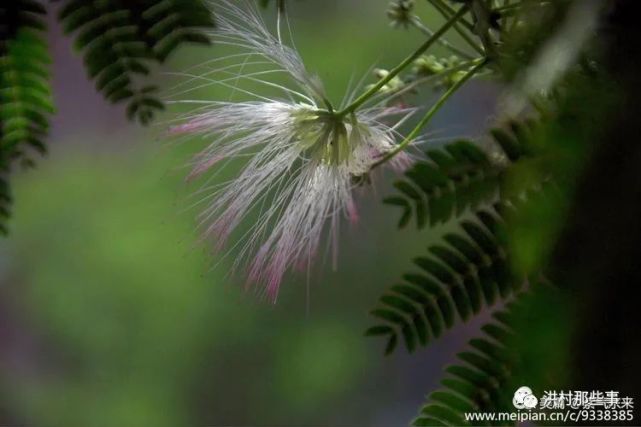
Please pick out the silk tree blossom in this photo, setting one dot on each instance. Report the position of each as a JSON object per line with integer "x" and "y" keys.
{"x": 301, "y": 159}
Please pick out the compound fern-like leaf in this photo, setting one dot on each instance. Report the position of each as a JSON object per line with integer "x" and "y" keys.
{"x": 480, "y": 382}
{"x": 470, "y": 268}
{"x": 514, "y": 351}
{"x": 467, "y": 271}
{"x": 25, "y": 98}
{"x": 458, "y": 177}
{"x": 122, "y": 41}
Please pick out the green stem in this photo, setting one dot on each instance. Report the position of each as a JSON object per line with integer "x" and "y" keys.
{"x": 400, "y": 67}
{"x": 416, "y": 22}
{"x": 430, "y": 114}
{"x": 445, "y": 10}
{"x": 413, "y": 84}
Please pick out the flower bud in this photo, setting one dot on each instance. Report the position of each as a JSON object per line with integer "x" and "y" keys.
{"x": 400, "y": 13}
{"x": 393, "y": 85}
{"x": 427, "y": 65}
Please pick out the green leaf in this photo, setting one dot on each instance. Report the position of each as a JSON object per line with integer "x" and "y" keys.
{"x": 466, "y": 271}
{"x": 459, "y": 177}
{"x": 122, "y": 41}
{"x": 25, "y": 96}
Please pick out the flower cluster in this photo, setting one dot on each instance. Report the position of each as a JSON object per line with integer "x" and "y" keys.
{"x": 300, "y": 158}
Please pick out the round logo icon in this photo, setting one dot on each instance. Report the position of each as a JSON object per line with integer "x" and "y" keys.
{"x": 524, "y": 399}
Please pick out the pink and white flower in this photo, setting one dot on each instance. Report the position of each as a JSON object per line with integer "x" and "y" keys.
{"x": 300, "y": 160}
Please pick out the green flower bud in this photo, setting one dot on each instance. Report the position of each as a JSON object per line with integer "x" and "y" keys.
{"x": 392, "y": 86}
{"x": 427, "y": 65}
{"x": 400, "y": 13}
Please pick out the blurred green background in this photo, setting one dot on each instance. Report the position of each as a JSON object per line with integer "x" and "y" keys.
{"x": 113, "y": 313}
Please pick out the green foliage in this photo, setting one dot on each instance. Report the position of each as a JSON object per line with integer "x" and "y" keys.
{"x": 459, "y": 177}
{"x": 467, "y": 271}
{"x": 470, "y": 269}
{"x": 513, "y": 351}
{"x": 571, "y": 221}
{"x": 121, "y": 41}
{"x": 25, "y": 97}
{"x": 480, "y": 382}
